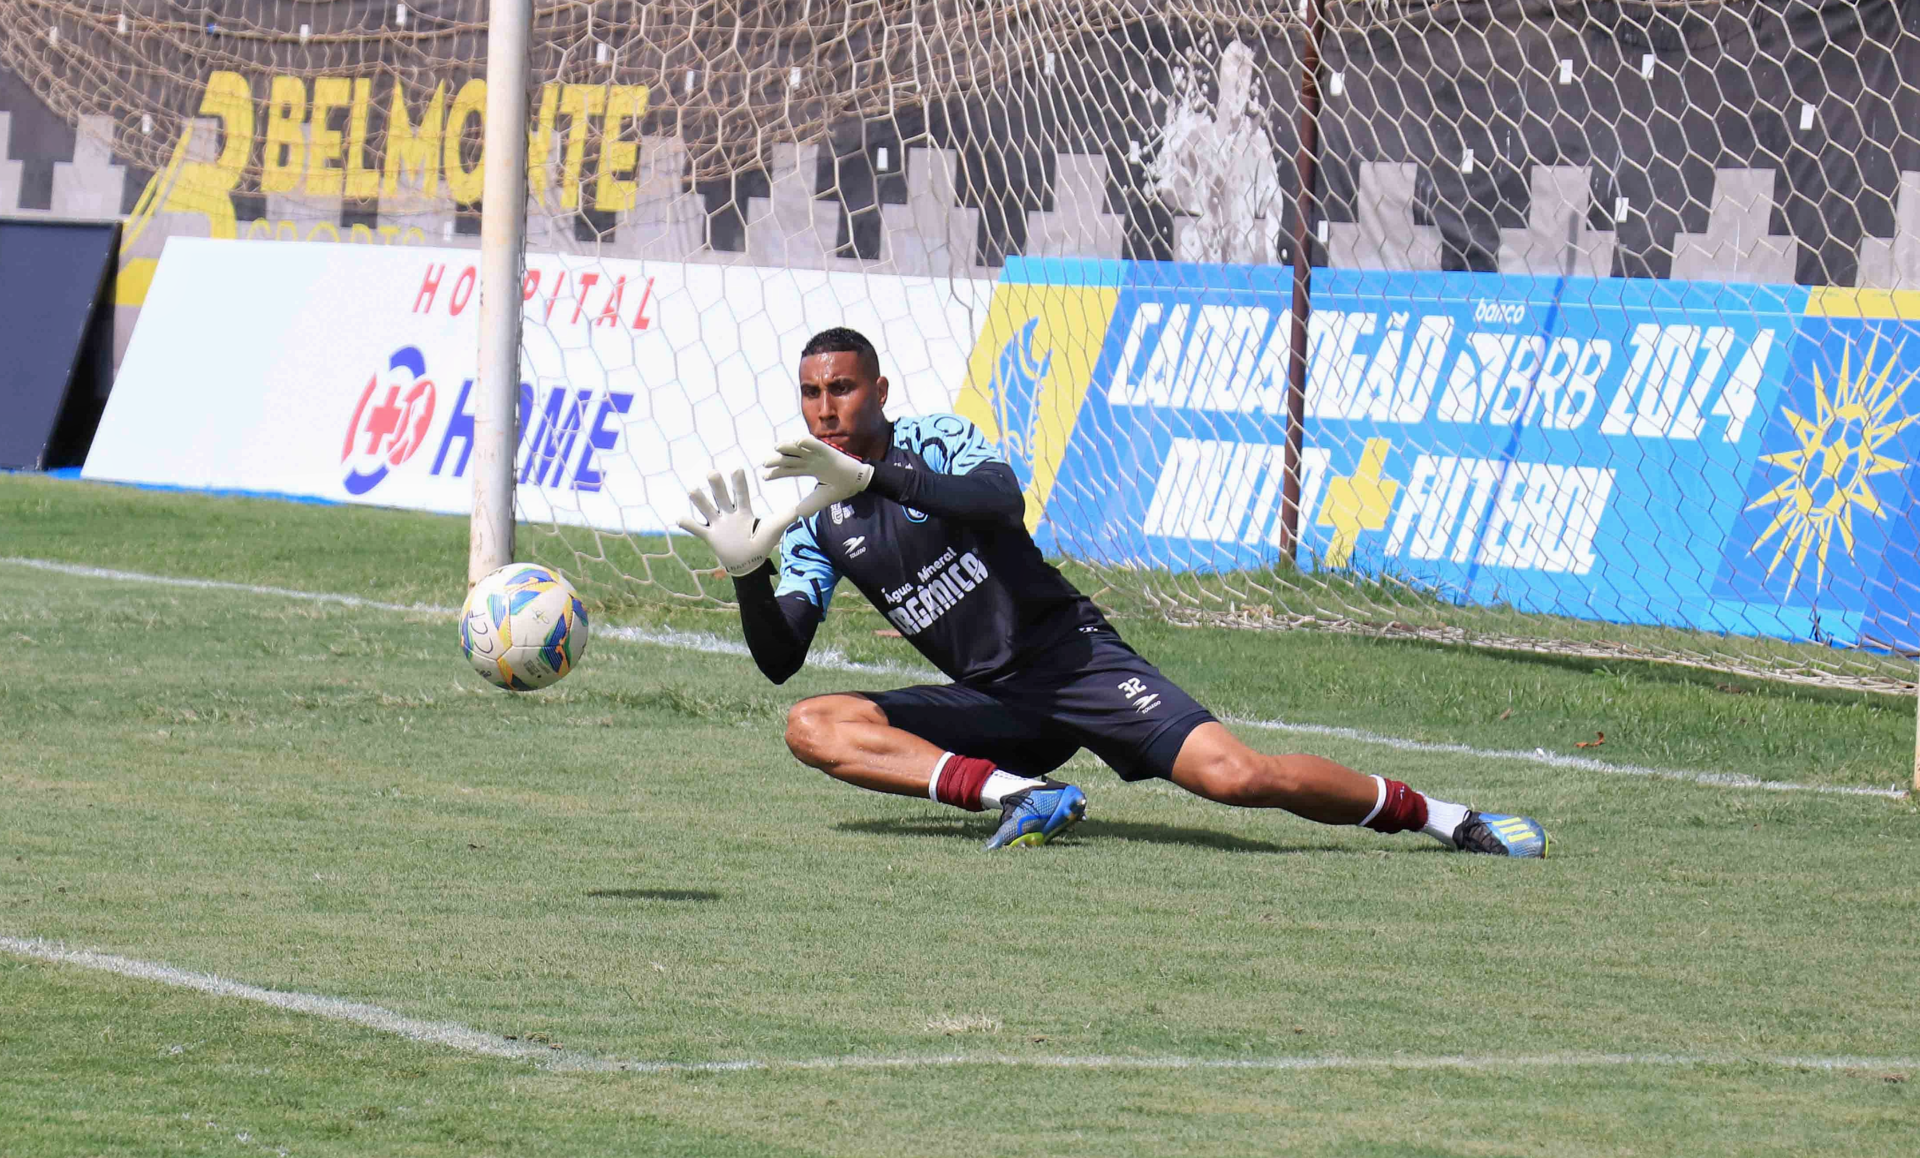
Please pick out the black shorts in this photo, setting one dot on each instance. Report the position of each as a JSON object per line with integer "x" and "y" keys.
{"x": 1094, "y": 692}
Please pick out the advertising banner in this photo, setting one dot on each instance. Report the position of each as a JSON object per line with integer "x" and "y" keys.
{"x": 346, "y": 373}
{"x": 1733, "y": 458}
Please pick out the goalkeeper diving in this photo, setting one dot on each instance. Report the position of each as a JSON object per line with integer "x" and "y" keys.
{"x": 925, "y": 519}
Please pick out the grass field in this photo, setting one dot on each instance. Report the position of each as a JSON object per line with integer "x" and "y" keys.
{"x": 316, "y": 798}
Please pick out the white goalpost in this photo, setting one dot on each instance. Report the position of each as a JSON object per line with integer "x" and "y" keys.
{"x": 503, "y": 243}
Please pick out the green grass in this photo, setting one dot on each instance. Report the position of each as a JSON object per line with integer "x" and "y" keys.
{"x": 1651, "y": 714}
{"x": 318, "y": 798}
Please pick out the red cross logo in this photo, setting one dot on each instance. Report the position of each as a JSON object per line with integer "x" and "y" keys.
{"x": 394, "y": 426}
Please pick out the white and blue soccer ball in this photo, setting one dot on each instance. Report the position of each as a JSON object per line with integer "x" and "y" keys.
{"x": 523, "y": 627}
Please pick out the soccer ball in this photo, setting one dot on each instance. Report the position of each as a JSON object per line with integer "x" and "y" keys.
{"x": 523, "y": 627}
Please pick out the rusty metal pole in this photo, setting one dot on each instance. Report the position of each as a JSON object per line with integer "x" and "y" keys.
{"x": 1306, "y": 164}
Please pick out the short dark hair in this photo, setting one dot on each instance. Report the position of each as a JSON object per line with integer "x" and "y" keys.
{"x": 841, "y": 340}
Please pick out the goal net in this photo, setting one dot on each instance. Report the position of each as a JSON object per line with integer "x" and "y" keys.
{"x": 1603, "y": 349}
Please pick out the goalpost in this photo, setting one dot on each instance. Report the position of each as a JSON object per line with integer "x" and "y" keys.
{"x": 1605, "y": 351}
{"x": 503, "y": 243}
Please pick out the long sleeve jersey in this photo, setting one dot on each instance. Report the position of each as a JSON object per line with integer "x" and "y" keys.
{"x": 938, "y": 542}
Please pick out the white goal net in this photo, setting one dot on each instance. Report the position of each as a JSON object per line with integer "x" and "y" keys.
{"x": 1604, "y": 348}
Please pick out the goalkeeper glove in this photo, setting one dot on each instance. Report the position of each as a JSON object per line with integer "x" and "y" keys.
{"x": 810, "y": 458}
{"x": 739, "y": 541}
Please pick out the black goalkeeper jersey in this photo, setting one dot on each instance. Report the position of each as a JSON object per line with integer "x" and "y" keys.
{"x": 962, "y": 581}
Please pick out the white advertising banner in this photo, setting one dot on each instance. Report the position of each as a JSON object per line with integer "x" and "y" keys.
{"x": 346, "y": 372}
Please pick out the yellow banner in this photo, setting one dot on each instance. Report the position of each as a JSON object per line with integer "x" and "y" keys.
{"x": 1029, "y": 374}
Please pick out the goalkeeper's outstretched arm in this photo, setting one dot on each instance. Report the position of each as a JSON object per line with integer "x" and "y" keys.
{"x": 989, "y": 493}
{"x": 779, "y": 628}
{"x": 779, "y": 631}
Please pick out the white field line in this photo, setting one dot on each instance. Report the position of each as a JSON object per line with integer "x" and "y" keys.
{"x": 472, "y": 1041}
{"x": 218, "y": 585}
{"x": 834, "y": 660}
{"x": 332, "y": 1008}
{"x": 830, "y": 658}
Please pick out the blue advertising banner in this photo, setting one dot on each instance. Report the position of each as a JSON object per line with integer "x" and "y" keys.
{"x": 1732, "y": 458}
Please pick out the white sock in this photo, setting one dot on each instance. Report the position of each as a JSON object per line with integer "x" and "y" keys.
{"x": 1001, "y": 785}
{"x": 1442, "y": 818}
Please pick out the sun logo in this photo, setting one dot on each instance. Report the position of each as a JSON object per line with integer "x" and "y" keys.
{"x": 1834, "y": 464}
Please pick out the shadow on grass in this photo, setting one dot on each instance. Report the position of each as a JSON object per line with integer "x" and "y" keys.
{"x": 1087, "y": 830}
{"x": 655, "y": 894}
{"x": 975, "y": 831}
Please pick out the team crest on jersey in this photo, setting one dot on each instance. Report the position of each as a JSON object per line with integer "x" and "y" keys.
{"x": 914, "y": 516}
{"x": 839, "y": 513}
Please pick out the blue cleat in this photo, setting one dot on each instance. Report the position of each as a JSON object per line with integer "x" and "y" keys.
{"x": 1496, "y": 835}
{"x": 1038, "y": 815}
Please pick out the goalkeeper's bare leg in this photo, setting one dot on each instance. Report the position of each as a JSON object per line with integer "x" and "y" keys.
{"x": 1214, "y": 764}
{"x": 849, "y": 738}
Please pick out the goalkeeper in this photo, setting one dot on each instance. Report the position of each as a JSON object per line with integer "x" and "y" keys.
{"x": 924, "y": 518}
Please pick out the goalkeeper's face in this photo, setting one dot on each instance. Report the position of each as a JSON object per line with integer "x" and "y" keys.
{"x": 843, "y": 404}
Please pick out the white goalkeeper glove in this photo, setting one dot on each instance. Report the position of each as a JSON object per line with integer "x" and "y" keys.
{"x": 740, "y": 541}
{"x": 842, "y": 474}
